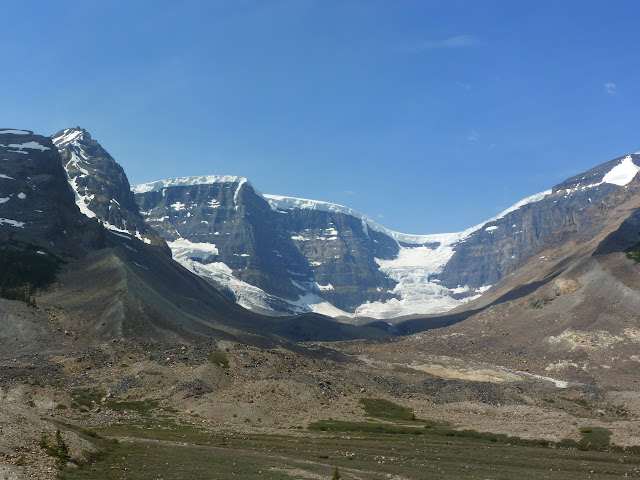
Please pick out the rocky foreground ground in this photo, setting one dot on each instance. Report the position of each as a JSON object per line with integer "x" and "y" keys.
{"x": 229, "y": 387}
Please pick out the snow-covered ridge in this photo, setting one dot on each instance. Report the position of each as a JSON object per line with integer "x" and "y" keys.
{"x": 619, "y": 175}
{"x": 414, "y": 269}
{"x": 186, "y": 182}
{"x": 279, "y": 202}
{"x": 72, "y": 137}
{"x": 283, "y": 203}
{"x": 12, "y": 131}
{"x": 67, "y": 136}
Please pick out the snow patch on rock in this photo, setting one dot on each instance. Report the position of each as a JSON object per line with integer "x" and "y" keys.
{"x": 13, "y": 223}
{"x": 622, "y": 173}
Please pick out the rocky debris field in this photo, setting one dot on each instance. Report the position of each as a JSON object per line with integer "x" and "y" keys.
{"x": 230, "y": 387}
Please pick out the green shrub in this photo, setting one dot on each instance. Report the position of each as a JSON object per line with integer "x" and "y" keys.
{"x": 568, "y": 443}
{"x": 89, "y": 433}
{"x": 363, "y": 427}
{"x": 86, "y": 398}
{"x": 58, "y": 449}
{"x": 141, "y": 407}
{"x": 634, "y": 254}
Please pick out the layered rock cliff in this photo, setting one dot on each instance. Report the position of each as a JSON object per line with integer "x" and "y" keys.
{"x": 283, "y": 254}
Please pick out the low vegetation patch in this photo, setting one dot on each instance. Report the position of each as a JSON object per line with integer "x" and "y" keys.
{"x": 594, "y": 438}
{"x": 219, "y": 358}
{"x": 402, "y": 421}
{"x": 86, "y": 398}
{"x": 429, "y": 429}
{"x": 363, "y": 427}
{"x": 141, "y": 407}
{"x": 386, "y": 410}
{"x": 196, "y": 453}
{"x": 577, "y": 401}
{"x": 634, "y": 254}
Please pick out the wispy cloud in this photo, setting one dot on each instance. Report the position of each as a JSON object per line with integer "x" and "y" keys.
{"x": 458, "y": 41}
{"x": 473, "y": 136}
{"x": 464, "y": 86}
{"x": 349, "y": 192}
{"x": 380, "y": 215}
{"x": 610, "y": 88}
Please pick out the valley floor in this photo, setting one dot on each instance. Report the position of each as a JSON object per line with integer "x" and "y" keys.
{"x": 227, "y": 410}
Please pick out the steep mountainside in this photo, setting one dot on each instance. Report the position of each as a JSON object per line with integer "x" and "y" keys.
{"x": 101, "y": 187}
{"x": 568, "y": 315}
{"x": 224, "y": 229}
{"x": 290, "y": 255}
{"x": 36, "y": 204}
{"x": 98, "y": 282}
{"x": 581, "y": 325}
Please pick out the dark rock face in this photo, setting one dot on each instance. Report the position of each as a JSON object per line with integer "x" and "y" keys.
{"x": 231, "y": 216}
{"x": 286, "y": 254}
{"x": 626, "y": 237}
{"x": 36, "y": 204}
{"x": 342, "y": 251}
{"x": 101, "y": 187}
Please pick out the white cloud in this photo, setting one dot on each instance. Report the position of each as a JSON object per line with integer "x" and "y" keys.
{"x": 610, "y": 88}
{"x": 380, "y": 215}
{"x": 473, "y": 136}
{"x": 458, "y": 41}
{"x": 464, "y": 86}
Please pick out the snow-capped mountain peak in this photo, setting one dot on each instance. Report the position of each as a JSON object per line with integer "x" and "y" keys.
{"x": 100, "y": 185}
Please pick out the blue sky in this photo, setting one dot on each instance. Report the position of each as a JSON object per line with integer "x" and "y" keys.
{"x": 427, "y": 116}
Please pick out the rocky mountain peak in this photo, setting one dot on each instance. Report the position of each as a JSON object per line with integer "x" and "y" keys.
{"x": 101, "y": 186}
{"x": 70, "y": 135}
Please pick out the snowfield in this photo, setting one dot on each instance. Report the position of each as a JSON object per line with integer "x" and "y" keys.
{"x": 412, "y": 269}
{"x": 622, "y": 173}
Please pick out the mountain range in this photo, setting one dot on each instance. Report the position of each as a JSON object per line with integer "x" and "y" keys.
{"x": 200, "y": 305}
{"x": 282, "y": 257}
